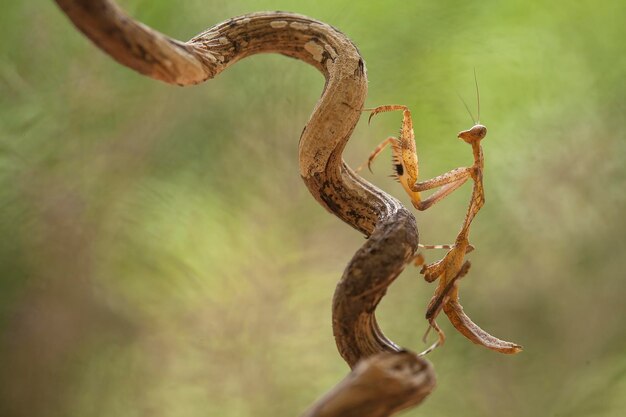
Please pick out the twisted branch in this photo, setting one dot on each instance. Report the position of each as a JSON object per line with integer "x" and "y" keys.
{"x": 390, "y": 379}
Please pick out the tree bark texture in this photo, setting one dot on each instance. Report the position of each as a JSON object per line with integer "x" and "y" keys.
{"x": 384, "y": 379}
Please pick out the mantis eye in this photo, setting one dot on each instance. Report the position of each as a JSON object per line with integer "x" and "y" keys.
{"x": 479, "y": 131}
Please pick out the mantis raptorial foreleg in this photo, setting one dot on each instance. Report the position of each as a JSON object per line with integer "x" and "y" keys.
{"x": 445, "y": 190}
{"x": 406, "y": 166}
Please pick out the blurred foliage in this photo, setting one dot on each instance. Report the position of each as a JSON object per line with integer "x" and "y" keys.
{"x": 161, "y": 256}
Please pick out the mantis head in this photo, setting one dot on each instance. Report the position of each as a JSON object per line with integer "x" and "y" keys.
{"x": 473, "y": 135}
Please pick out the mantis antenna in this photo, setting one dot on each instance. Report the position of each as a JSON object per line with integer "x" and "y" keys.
{"x": 477, "y": 120}
{"x": 468, "y": 110}
{"x": 477, "y": 96}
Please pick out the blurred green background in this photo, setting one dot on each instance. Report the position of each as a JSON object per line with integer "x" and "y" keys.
{"x": 161, "y": 256}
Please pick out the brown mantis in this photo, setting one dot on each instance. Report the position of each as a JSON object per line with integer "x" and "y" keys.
{"x": 453, "y": 265}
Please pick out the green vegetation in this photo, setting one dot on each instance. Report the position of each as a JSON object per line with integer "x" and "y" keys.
{"x": 161, "y": 257}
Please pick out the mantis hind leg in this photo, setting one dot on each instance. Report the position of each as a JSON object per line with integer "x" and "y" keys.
{"x": 418, "y": 259}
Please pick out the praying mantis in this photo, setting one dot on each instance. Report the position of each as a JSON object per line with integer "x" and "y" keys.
{"x": 453, "y": 265}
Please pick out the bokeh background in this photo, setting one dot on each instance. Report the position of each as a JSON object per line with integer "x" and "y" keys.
{"x": 161, "y": 257}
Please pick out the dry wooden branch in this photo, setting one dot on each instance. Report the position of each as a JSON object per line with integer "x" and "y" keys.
{"x": 387, "y": 382}
{"x": 377, "y": 387}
